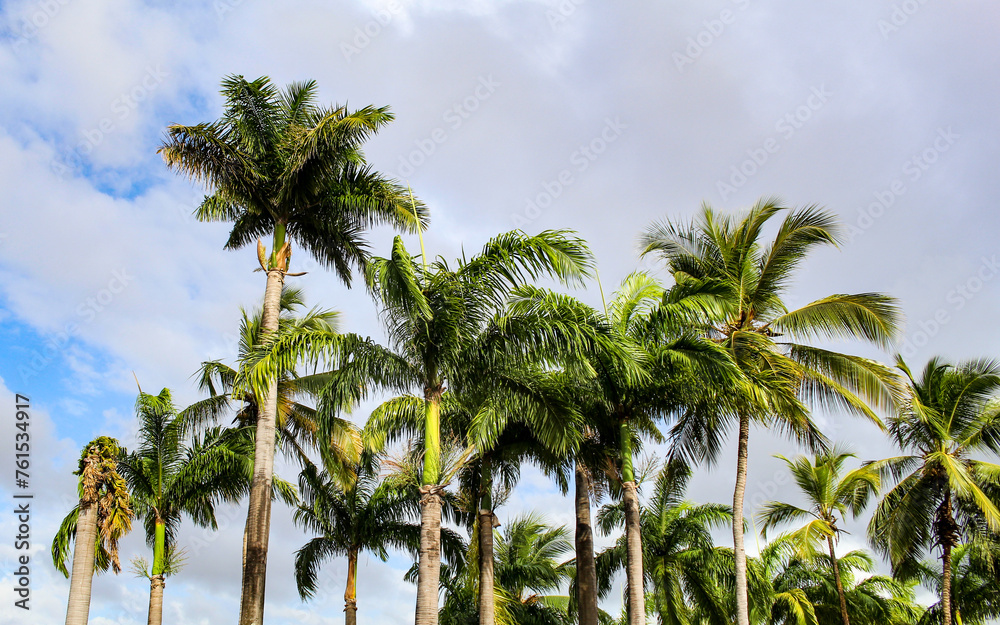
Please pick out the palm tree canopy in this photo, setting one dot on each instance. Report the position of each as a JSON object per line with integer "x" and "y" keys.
{"x": 102, "y": 486}
{"x": 279, "y": 163}
{"x": 169, "y": 477}
{"x": 942, "y": 491}
{"x": 741, "y": 284}
{"x": 831, "y": 495}
{"x": 365, "y": 514}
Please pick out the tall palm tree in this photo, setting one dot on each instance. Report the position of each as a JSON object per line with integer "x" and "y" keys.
{"x": 102, "y": 517}
{"x": 942, "y": 493}
{"x": 724, "y": 260}
{"x": 277, "y": 164}
{"x": 169, "y": 478}
{"x": 829, "y": 495}
{"x": 643, "y": 313}
{"x": 678, "y": 551}
{"x": 433, "y": 316}
{"x": 362, "y": 515}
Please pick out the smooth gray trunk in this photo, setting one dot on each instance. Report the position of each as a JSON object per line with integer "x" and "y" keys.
{"x": 739, "y": 553}
{"x": 633, "y": 547}
{"x": 82, "y": 574}
{"x": 156, "y": 584}
{"x": 429, "y": 565}
{"x": 586, "y": 567}
{"x": 487, "y": 601}
{"x": 259, "y": 511}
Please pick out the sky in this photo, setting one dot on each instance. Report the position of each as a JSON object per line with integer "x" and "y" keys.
{"x": 597, "y": 117}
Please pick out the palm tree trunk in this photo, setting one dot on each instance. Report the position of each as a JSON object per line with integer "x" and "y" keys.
{"x": 840, "y": 583}
{"x": 156, "y": 584}
{"x": 351, "y": 594}
{"x": 633, "y": 534}
{"x": 633, "y": 547}
{"x": 739, "y": 553}
{"x": 156, "y": 578}
{"x": 946, "y": 583}
{"x": 946, "y": 534}
{"x": 429, "y": 567}
{"x": 259, "y": 513}
{"x": 78, "y": 609}
{"x": 487, "y": 601}
{"x": 586, "y": 567}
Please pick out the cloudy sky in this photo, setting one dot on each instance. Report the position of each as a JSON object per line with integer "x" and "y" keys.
{"x": 599, "y": 117}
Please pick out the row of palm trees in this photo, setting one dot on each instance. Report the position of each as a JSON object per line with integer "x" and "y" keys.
{"x": 687, "y": 579}
{"x": 478, "y": 353}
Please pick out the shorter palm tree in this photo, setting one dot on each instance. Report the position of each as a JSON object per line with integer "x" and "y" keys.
{"x": 169, "y": 478}
{"x": 296, "y": 423}
{"x": 679, "y": 555}
{"x": 801, "y": 589}
{"x": 97, "y": 523}
{"x": 975, "y": 592}
{"x": 830, "y": 496}
{"x": 529, "y": 570}
{"x": 362, "y": 515}
{"x": 942, "y": 493}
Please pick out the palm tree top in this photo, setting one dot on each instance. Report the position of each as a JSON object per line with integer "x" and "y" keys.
{"x": 952, "y": 408}
{"x": 723, "y": 254}
{"x": 831, "y": 495}
{"x": 278, "y": 163}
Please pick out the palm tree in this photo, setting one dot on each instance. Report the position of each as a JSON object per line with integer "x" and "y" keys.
{"x": 942, "y": 494}
{"x": 871, "y": 599}
{"x": 653, "y": 373}
{"x": 296, "y": 422}
{"x": 507, "y": 419}
{"x": 528, "y": 570}
{"x": 522, "y": 415}
{"x": 794, "y": 589}
{"x": 723, "y": 260}
{"x": 644, "y": 314}
{"x": 678, "y": 552}
{"x": 363, "y": 515}
{"x": 277, "y": 164}
{"x": 168, "y": 478}
{"x": 102, "y": 517}
{"x": 433, "y": 316}
{"x": 829, "y": 498}
{"x": 975, "y": 593}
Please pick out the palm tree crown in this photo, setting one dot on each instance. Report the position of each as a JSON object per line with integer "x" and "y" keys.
{"x": 942, "y": 493}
